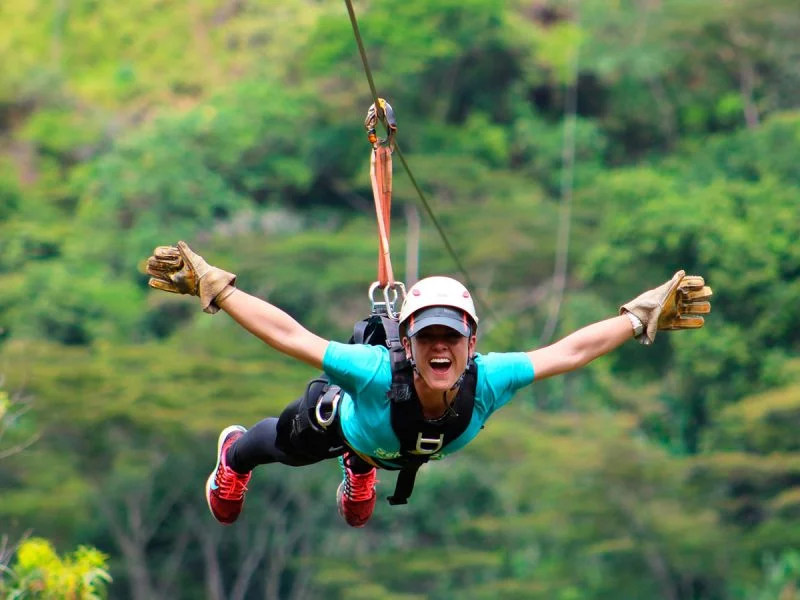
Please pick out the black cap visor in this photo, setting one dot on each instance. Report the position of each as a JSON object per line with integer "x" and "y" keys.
{"x": 439, "y": 315}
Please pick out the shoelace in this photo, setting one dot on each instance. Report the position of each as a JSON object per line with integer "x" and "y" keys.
{"x": 232, "y": 485}
{"x": 358, "y": 488}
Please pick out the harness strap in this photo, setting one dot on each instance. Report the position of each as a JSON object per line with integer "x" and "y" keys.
{"x": 380, "y": 173}
{"x": 309, "y": 428}
{"x": 302, "y": 420}
{"x": 419, "y": 438}
{"x": 372, "y": 331}
{"x": 404, "y": 486}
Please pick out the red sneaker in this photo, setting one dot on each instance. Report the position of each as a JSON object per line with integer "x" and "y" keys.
{"x": 225, "y": 487}
{"x": 356, "y": 494}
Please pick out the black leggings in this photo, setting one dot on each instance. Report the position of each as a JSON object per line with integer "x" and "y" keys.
{"x": 282, "y": 440}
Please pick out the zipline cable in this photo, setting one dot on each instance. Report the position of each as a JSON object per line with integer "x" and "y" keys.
{"x": 354, "y": 23}
{"x": 368, "y": 72}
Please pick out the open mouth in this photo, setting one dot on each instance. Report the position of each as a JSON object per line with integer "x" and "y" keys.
{"x": 440, "y": 365}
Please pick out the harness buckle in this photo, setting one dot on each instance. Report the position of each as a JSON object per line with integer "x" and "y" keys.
{"x": 429, "y": 445}
{"x": 327, "y": 405}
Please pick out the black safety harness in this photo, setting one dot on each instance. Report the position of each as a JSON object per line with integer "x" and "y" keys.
{"x": 420, "y": 438}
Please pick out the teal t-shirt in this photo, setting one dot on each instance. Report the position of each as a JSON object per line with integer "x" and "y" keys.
{"x": 364, "y": 373}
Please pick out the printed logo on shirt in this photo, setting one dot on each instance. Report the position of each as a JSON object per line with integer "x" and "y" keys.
{"x": 386, "y": 454}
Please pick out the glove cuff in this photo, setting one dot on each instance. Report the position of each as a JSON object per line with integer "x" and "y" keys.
{"x": 643, "y": 315}
{"x": 213, "y": 284}
{"x": 217, "y": 302}
{"x": 636, "y": 323}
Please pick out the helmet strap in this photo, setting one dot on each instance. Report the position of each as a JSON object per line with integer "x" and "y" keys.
{"x": 413, "y": 363}
{"x": 460, "y": 379}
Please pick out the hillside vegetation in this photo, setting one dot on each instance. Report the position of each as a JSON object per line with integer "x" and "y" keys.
{"x": 667, "y": 133}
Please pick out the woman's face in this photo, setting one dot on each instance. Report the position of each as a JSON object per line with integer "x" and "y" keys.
{"x": 441, "y": 355}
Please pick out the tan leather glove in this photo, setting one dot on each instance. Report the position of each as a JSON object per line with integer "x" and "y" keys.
{"x": 677, "y": 304}
{"x": 178, "y": 270}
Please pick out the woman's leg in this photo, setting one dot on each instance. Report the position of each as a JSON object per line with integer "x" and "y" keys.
{"x": 282, "y": 440}
{"x": 258, "y": 447}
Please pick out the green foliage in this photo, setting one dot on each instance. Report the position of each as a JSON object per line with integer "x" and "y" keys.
{"x": 440, "y": 56}
{"x": 738, "y": 234}
{"x": 54, "y": 306}
{"x": 781, "y": 578}
{"x": 762, "y": 423}
{"x": 539, "y": 146}
{"x": 10, "y": 194}
{"x": 766, "y": 154}
{"x": 665, "y": 472}
{"x": 5, "y": 403}
{"x": 63, "y": 131}
{"x": 40, "y": 573}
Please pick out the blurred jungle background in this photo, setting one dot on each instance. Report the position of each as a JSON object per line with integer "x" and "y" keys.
{"x": 620, "y": 139}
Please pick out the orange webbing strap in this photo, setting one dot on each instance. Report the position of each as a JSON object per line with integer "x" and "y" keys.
{"x": 380, "y": 173}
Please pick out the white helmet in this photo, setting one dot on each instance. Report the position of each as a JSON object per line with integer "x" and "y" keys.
{"x": 439, "y": 292}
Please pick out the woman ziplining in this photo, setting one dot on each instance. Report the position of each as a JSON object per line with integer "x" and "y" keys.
{"x": 411, "y": 388}
{"x": 356, "y": 416}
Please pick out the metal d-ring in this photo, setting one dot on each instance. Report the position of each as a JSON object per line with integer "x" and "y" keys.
{"x": 324, "y": 421}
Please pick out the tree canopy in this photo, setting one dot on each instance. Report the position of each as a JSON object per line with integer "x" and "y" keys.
{"x": 667, "y": 135}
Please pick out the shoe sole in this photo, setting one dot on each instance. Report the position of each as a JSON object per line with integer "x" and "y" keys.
{"x": 220, "y": 441}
